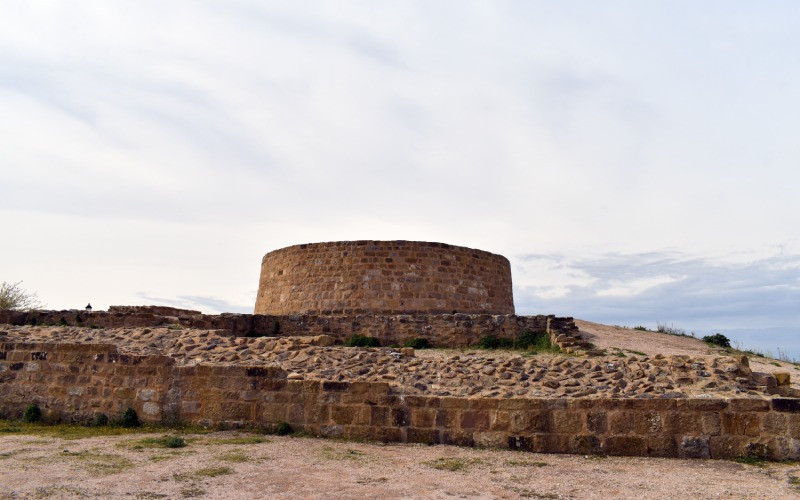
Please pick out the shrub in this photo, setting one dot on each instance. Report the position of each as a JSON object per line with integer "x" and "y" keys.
{"x": 174, "y": 442}
{"x": 100, "y": 420}
{"x": 418, "y": 343}
{"x": 32, "y": 413}
{"x": 670, "y": 329}
{"x": 283, "y": 429}
{"x": 717, "y": 339}
{"x": 362, "y": 341}
{"x": 641, "y": 328}
{"x": 494, "y": 342}
{"x": 529, "y": 340}
{"x": 130, "y": 418}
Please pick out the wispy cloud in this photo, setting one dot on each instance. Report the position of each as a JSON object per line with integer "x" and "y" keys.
{"x": 208, "y": 305}
{"x": 646, "y": 288}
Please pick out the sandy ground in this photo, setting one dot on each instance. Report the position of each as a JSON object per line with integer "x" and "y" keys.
{"x": 211, "y": 466}
{"x": 651, "y": 343}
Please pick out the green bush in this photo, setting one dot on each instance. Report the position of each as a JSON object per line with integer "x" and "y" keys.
{"x": 32, "y": 413}
{"x": 529, "y": 340}
{"x": 362, "y": 341}
{"x": 130, "y": 419}
{"x": 418, "y": 343}
{"x": 283, "y": 429}
{"x": 494, "y": 342}
{"x": 717, "y": 339}
{"x": 174, "y": 442}
{"x": 100, "y": 420}
{"x": 641, "y": 328}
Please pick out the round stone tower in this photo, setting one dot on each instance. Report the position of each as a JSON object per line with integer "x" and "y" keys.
{"x": 383, "y": 277}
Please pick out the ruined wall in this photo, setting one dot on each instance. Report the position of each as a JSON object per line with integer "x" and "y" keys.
{"x": 357, "y": 277}
{"x": 73, "y": 382}
{"x": 442, "y": 330}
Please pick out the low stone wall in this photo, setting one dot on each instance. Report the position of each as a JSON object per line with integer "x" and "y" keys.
{"x": 442, "y": 330}
{"x": 76, "y": 381}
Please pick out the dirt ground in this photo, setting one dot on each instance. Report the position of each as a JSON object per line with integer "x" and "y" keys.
{"x": 239, "y": 465}
{"x": 626, "y": 339}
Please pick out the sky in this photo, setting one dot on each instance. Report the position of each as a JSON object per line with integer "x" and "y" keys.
{"x": 637, "y": 162}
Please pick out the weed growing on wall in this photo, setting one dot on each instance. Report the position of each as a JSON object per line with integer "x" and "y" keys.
{"x": 32, "y": 414}
{"x": 130, "y": 419}
{"x": 418, "y": 343}
{"x": 362, "y": 341}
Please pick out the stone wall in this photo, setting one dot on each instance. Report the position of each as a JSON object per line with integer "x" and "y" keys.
{"x": 383, "y": 277}
{"x": 442, "y": 330}
{"x": 74, "y": 382}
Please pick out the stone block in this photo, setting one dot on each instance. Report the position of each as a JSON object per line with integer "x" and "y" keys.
{"x": 783, "y": 378}
{"x": 625, "y": 445}
{"x": 331, "y": 430}
{"x": 490, "y": 439}
{"x": 775, "y": 423}
{"x": 727, "y": 446}
{"x": 567, "y": 421}
{"x": 427, "y": 436}
{"x": 741, "y": 424}
{"x": 786, "y": 404}
{"x": 379, "y": 416}
{"x": 474, "y": 419}
{"x": 620, "y": 422}
{"x": 151, "y": 409}
{"x": 586, "y": 445}
{"x": 457, "y": 437}
{"x": 648, "y": 422}
{"x": 423, "y": 417}
{"x": 661, "y": 446}
{"x": 448, "y": 418}
{"x": 530, "y": 421}
{"x": 345, "y": 414}
{"x": 783, "y": 448}
{"x": 597, "y": 422}
{"x": 749, "y": 404}
{"x": 452, "y": 402}
{"x": 125, "y": 392}
{"x": 694, "y": 447}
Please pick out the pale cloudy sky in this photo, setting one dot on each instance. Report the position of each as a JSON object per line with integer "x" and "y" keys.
{"x": 636, "y": 161}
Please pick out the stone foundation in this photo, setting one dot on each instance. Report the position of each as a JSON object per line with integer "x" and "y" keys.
{"x": 442, "y": 330}
{"x": 74, "y": 382}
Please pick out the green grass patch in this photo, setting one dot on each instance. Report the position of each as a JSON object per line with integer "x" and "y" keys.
{"x": 637, "y": 353}
{"x": 213, "y": 472}
{"x": 155, "y": 442}
{"x": 192, "y": 492}
{"x": 237, "y": 440}
{"x": 203, "y": 473}
{"x": 235, "y": 456}
{"x": 452, "y": 463}
{"x": 100, "y": 463}
{"x": 525, "y": 463}
{"x": 751, "y": 460}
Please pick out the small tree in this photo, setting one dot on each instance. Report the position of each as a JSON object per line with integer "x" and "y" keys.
{"x": 15, "y": 298}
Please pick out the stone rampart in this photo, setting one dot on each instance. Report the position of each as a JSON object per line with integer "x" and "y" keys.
{"x": 442, "y": 330}
{"x": 76, "y": 381}
{"x": 383, "y": 277}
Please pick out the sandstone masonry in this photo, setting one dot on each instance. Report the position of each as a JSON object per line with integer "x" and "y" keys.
{"x": 383, "y": 277}
{"x": 76, "y": 381}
